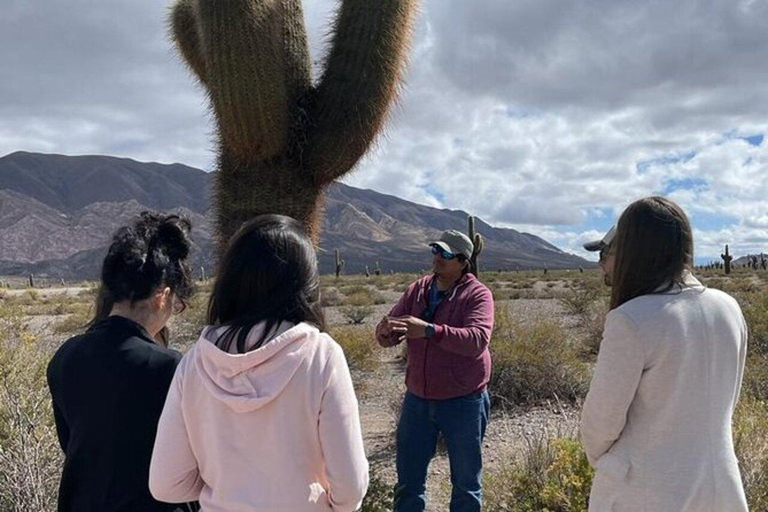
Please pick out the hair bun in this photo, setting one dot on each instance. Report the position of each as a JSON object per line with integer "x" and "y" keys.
{"x": 172, "y": 237}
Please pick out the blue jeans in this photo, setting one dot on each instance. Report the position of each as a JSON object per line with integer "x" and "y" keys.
{"x": 462, "y": 422}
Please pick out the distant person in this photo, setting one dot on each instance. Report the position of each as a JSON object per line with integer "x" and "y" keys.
{"x": 262, "y": 415}
{"x": 447, "y": 319}
{"x": 109, "y": 384}
{"x": 607, "y": 252}
{"x": 656, "y": 423}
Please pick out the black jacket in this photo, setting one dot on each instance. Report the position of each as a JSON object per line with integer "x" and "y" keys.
{"x": 108, "y": 387}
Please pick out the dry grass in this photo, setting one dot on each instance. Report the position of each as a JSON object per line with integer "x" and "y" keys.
{"x": 30, "y": 458}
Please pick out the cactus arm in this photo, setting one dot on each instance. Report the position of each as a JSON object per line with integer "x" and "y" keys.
{"x": 359, "y": 84}
{"x": 184, "y": 31}
{"x": 257, "y": 67}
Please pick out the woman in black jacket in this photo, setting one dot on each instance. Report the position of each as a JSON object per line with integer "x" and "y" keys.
{"x": 109, "y": 384}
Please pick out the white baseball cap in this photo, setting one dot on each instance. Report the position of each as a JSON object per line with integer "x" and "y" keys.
{"x": 599, "y": 245}
{"x": 455, "y": 242}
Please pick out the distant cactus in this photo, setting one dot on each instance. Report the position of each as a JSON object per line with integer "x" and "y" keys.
{"x": 282, "y": 139}
{"x": 367, "y": 272}
{"x": 202, "y": 273}
{"x": 31, "y": 280}
{"x": 377, "y": 269}
{"x": 727, "y": 258}
{"x": 339, "y": 263}
{"x": 477, "y": 241}
{"x": 763, "y": 262}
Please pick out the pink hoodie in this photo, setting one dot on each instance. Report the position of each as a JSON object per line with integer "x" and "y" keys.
{"x": 275, "y": 429}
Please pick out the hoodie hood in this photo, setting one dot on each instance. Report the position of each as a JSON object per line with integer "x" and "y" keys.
{"x": 250, "y": 381}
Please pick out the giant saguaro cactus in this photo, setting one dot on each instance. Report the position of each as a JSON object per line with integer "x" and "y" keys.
{"x": 477, "y": 242}
{"x": 727, "y": 258}
{"x": 282, "y": 139}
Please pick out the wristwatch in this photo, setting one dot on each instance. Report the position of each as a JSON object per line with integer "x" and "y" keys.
{"x": 429, "y": 330}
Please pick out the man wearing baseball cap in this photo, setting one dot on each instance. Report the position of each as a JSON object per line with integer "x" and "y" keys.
{"x": 607, "y": 251}
{"x": 446, "y": 318}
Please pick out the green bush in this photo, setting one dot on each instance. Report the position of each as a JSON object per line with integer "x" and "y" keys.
{"x": 550, "y": 475}
{"x": 534, "y": 362}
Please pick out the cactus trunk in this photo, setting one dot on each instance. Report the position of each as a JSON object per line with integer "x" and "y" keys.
{"x": 282, "y": 141}
{"x": 727, "y": 258}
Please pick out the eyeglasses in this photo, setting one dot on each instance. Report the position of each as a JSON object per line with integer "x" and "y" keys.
{"x": 436, "y": 249}
{"x": 178, "y": 306}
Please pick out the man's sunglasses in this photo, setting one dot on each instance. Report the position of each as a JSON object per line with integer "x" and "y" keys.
{"x": 604, "y": 253}
{"x": 436, "y": 249}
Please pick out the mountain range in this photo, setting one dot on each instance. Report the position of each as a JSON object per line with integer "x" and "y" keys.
{"x": 58, "y": 213}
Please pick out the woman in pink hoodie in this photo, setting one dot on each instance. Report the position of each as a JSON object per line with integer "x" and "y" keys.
{"x": 261, "y": 414}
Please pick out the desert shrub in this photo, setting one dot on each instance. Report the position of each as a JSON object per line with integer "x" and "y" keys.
{"x": 356, "y": 314}
{"x": 592, "y": 326}
{"x": 750, "y": 435}
{"x": 549, "y": 475}
{"x": 330, "y": 297}
{"x": 534, "y": 362}
{"x": 579, "y": 302}
{"x": 30, "y": 458}
{"x": 359, "y": 346}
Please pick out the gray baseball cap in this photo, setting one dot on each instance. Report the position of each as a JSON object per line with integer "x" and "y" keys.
{"x": 599, "y": 245}
{"x": 455, "y": 242}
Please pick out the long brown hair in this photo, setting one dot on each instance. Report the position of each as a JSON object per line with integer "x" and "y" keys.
{"x": 268, "y": 274}
{"x": 654, "y": 245}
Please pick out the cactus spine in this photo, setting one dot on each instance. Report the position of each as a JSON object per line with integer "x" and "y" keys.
{"x": 282, "y": 139}
{"x": 339, "y": 263}
{"x": 477, "y": 242}
{"x": 727, "y": 258}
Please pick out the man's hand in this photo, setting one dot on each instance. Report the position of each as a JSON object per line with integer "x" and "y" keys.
{"x": 408, "y": 327}
{"x": 387, "y": 328}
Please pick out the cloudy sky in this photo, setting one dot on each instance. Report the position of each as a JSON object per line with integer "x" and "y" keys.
{"x": 549, "y": 116}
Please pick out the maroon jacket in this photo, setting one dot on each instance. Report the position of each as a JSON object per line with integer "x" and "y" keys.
{"x": 455, "y": 361}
